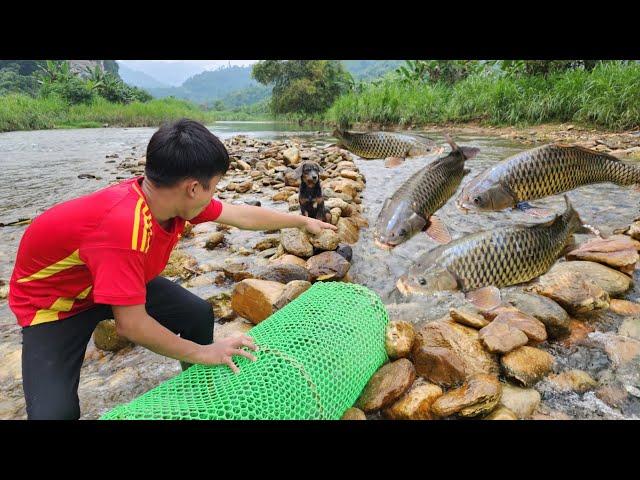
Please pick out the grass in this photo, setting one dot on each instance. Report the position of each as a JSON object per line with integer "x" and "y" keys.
{"x": 21, "y": 112}
{"x": 607, "y": 97}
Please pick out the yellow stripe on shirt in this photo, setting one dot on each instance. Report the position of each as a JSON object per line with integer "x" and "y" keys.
{"x": 64, "y": 264}
{"x": 136, "y": 225}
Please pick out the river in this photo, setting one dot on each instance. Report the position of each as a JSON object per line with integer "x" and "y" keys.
{"x": 41, "y": 168}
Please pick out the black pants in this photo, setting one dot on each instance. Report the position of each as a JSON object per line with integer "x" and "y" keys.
{"x": 52, "y": 353}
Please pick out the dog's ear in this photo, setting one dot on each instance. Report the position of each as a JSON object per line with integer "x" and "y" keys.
{"x": 320, "y": 169}
{"x": 297, "y": 173}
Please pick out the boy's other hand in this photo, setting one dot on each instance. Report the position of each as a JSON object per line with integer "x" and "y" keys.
{"x": 314, "y": 226}
{"x": 222, "y": 351}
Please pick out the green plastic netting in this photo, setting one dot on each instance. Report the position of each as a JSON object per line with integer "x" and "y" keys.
{"x": 315, "y": 357}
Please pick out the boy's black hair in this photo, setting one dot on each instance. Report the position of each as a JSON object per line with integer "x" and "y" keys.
{"x": 185, "y": 149}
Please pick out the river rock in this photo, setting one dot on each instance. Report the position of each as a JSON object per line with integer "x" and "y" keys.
{"x": 238, "y": 271}
{"x": 221, "y": 304}
{"x": 106, "y": 337}
{"x": 634, "y": 230}
{"x": 613, "y": 395}
{"x": 236, "y": 327}
{"x": 292, "y": 290}
{"x": 630, "y": 328}
{"x": 290, "y": 179}
{"x": 468, "y": 318}
{"x": 621, "y": 350}
{"x": 255, "y": 299}
{"x": 618, "y": 251}
{"x": 468, "y": 356}
{"x": 501, "y": 337}
{"x": 624, "y": 307}
{"x": 521, "y": 401}
{"x": 291, "y": 156}
{"x": 399, "y": 338}
{"x": 200, "y": 281}
{"x": 179, "y": 265}
{"x": 267, "y": 243}
{"x": 346, "y": 210}
{"x": 501, "y": 413}
{"x": 345, "y": 250}
{"x": 527, "y": 365}
{"x": 214, "y": 240}
{"x": 416, "y": 403}
{"x": 282, "y": 195}
{"x": 552, "y": 315}
{"x": 325, "y": 240}
{"x": 610, "y": 280}
{"x": 244, "y": 186}
{"x": 328, "y": 266}
{"x": 532, "y": 328}
{"x": 290, "y": 259}
{"x": 244, "y": 165}
{"x": 572, "y": 380}
{"x": 347, "y": 231}
{"x": 579, "y": 332}
{"x": 350, "y": 174}
{"x": 387, "y": 385}
{"x": 478, "y": 396}
{"x": 439, "y": 365}
{"x": 4, "y": 292}
{"x": 283, "y": 273}
{"x": 574, "y": 291}
{"x": 296, "y": 242}
{"x": 353, "y": 414}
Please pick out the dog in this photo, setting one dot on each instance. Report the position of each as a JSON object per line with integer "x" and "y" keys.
{"x": 310, "y": 194}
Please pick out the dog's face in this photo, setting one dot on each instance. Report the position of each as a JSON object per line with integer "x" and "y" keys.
{"x": 309, "y": 173}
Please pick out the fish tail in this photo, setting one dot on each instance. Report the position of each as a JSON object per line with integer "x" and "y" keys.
{"x": 572, "y": 218}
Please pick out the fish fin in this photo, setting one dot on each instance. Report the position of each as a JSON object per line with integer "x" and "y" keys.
{"x": 392, "y": 162}
{"x": 533, "y": 211}
{"x": 437, "y": 230}
{"x": 469, "y": 152}
{"x": 485, "y": 298}
{"x": 451, "y": 143}
{"x": 588, "y": 150}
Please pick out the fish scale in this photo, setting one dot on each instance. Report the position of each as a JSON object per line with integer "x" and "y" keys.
{"x": 553, "y": 169}
{"x": 385, "y": 144}
{"x": 505, "y": 256}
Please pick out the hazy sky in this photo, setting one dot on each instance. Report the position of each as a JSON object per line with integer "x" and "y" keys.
{"x": 174, "y": 72}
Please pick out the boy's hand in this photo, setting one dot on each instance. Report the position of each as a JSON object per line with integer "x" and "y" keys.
{"x": 314, "y": 226}
{"x": 222, "y": 351}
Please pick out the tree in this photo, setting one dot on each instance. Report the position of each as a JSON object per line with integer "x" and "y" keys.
{"x": 302, "y": 86}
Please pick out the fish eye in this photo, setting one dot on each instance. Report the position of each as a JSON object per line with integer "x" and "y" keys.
{"x": 422, "y": 281}
{"x": 476, "y": 200}
{"x": 402, "y": 232}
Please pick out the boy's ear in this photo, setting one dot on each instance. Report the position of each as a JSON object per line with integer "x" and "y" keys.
{"x": 297, "y": 173}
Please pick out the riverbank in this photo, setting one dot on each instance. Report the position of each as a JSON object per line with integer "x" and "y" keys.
{"x": 21, "y": 112}
{"x": 607, "y": 97}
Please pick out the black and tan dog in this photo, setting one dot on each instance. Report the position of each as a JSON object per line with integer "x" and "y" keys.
{"x": 310, "y": 195}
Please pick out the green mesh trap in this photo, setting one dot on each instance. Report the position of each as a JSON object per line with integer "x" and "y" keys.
{"x": 315, "y": 357}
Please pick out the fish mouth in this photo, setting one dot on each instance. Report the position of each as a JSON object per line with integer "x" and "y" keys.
{"x": 463, "y": 206}
{"x": 401, "y": 285}
{"x": 383, "y": 245}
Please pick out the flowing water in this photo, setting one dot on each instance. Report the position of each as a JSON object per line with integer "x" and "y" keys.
{"x": 41, "y": 168}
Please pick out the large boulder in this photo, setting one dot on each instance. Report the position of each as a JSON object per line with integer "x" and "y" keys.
{"x": 478, "y": 396}
{"x": 610, "y": 280}
{"x": 255, "y": 299}
{"x": 521, "y": 401}
{"x": 325, "y": 240}
{"x": 387, "y": 385}
{"x": 416, "y": 403}
{"x": 292, "y": 290}
{"x": 527, "y": 365}
{"x": 399, "y": 338}
{"x": 296, "y": 242}
{"x": 467, "y": 355}
{"x": 328, "y": 266}
{"x": 552, "y": 315}
{"x": 348, "y": 231}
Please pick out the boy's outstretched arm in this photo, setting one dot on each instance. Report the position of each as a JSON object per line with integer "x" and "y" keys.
{"x": 248, "y": 217}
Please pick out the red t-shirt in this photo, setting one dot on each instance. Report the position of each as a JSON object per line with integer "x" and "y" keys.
{"x": 101, "y": 248}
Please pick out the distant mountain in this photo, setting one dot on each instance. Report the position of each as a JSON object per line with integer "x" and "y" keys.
{"x": 364, "y": 70}
{"x": 168, "y": 73}
{"x": 210, "y": 85}
{"x": 140, "y": 79}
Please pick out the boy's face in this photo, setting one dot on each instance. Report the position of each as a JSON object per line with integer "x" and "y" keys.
{"x": 193, "y": 198}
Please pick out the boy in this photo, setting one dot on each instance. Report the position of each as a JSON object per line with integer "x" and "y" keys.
{"x": 100, "y": 256}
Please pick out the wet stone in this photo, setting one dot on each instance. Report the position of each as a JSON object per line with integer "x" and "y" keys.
{"x": 552, "y": 315}
{"x": 387, "y": 385}
{"x": 523, "y": 402}
{"x": 572, "y": 380}
{"x": 399, "y": 339}
{"x": 468, "y": 318}
{"x": 416, "y": 403}
{"x": 353, "y": 414}
{"x": 479, "y": 396}
{"x": 527, "y": 365}
{"x": 500, "y": 337}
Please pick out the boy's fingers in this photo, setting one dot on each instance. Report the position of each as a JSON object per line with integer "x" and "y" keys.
{"x": 249, "y": 344}
{"x": 232, "y": 365}
{"x": 244, "y": 354}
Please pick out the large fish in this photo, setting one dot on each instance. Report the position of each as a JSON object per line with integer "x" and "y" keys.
{"x": 394, "y": 147}
{"x": 541, "y": 172}
{"x": 411, "y": 208}
{"x": 480, "y": 263}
